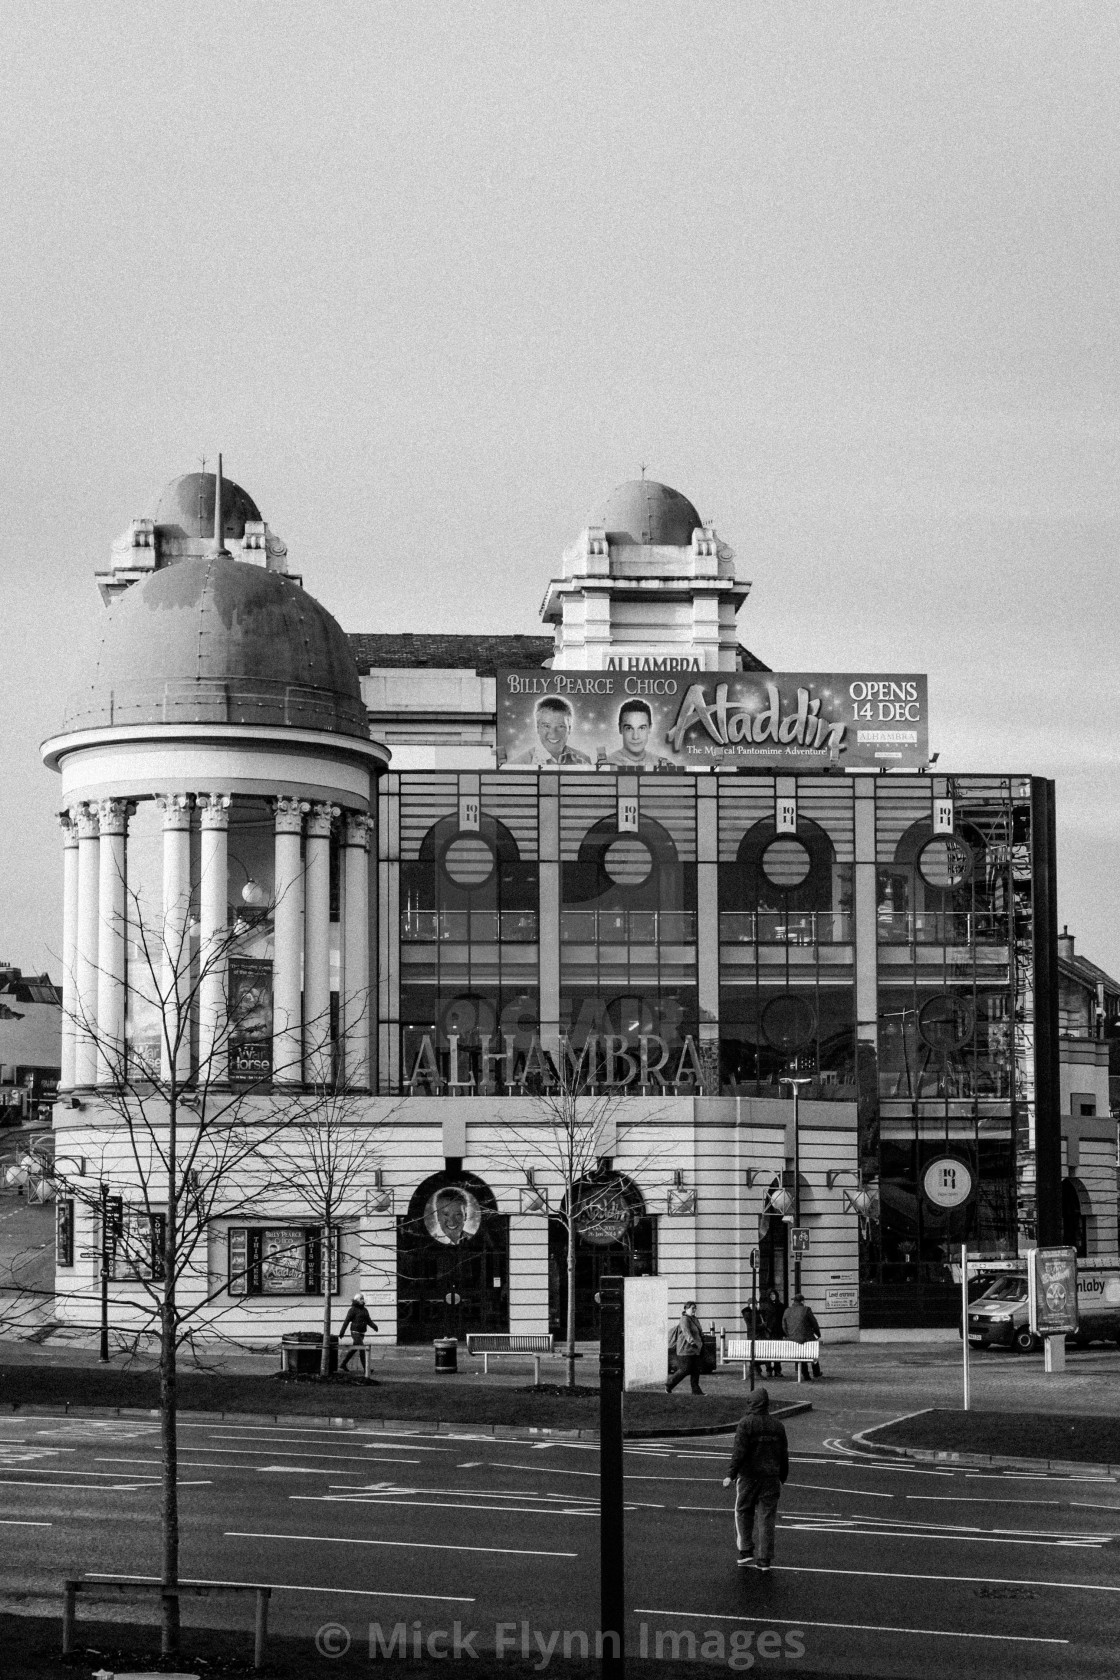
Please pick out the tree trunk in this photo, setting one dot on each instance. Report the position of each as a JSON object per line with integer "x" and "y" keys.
{"x": 325, "y": 1268}
{"x": 571, "y": 1292}
{"x": 169, "y": 1642}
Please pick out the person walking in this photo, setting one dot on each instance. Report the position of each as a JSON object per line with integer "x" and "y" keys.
{"x": 358, "y": 1321}
{"x": 771, "y": 1312}
{"x": 687, "y": 1342}
{"x": 799, "y": 1324}
{"x": 759, "y": 1466}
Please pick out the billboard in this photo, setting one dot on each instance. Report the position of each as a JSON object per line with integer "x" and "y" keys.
{"x": 1052, "y": 1291}
{"x": 681, "y": 720}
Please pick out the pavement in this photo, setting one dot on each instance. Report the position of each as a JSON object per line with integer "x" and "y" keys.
{"x": 882, "y": 1568}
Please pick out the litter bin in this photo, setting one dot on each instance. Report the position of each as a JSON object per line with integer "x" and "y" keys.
{"x": 447, "y": 1353}
{"x": 303, "y": 1352}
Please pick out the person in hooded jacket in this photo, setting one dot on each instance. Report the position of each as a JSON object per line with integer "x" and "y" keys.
{"x": 759, "y": 1466}
{"x": 358, "y": 1321}
{"x": 687, "y": 1342}
{"x": 770, "y": 1311}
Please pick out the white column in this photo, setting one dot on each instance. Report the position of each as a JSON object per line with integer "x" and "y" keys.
{"x": 213, "y": 908}
{"x": 69, "y": 941}
{"x": 354, "y": 1004}
{"x": 287, "y": 1068}
{"x": 175, "y": 980}
{"x": 317, "y": 946}
{"x": 112, "y": 817}
{"x": 85, "y": 955}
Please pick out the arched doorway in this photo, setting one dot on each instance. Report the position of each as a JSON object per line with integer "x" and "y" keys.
{"x": 1075, "y": 1208}
{"x": 452, "y": 1260}
{"x": 614, "y": 1234}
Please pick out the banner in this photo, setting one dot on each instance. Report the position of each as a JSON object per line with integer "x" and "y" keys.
{"x": 1052, "y": 1291}
{"x": 622, "y": 720}
{"x": 250, "y": 1019}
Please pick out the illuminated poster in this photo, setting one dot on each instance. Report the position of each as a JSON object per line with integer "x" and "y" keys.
{"x": 623, "y": 720}
{"x": 250, "y": 1024}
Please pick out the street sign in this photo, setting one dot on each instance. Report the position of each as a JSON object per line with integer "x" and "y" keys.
{"x": 755, "y": 1257}
{"x": 89, "y": 1254}
{"x": 799, "y": 1239}
{"x": 947, "y": 1182}
{"x": 1052, "y": 1291}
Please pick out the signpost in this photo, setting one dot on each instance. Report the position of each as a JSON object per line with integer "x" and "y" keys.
{"x": 612, "y": 1571}
{"x": 754, "y": 1308}
{"x": 799, "y": 1239}
{"x": 964, "y": 1322}
{"x": 1052, "y": 1300}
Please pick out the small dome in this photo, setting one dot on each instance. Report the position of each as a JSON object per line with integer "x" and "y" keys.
{"x": 643, "y": 511}
{"x": 186, "y": 507}
{"x": 216, "y": 640}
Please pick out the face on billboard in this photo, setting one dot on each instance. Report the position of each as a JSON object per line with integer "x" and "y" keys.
{"x": 554, "y": 725}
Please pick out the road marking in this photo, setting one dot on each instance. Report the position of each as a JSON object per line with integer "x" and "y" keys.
{"x": 437, "y": 1505}
{"x": 114, "y": 1487}
{"x": 284, "y": 1586}
{"x": 847, "y": 1493}
{"x": 407, "y": 1545}
{"x": 254, "y": 1452}
{"x": 22, "y": 1522}
{"x": 913, "y": 1534}
{"x": 854, "y": 1627}
{"x": 970, "y": 1580}
{"x": 983, "y": 1499}
{"x": 1077, "y": 1505}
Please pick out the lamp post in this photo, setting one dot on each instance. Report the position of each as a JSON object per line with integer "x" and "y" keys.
{"x": 797, "y": 1083}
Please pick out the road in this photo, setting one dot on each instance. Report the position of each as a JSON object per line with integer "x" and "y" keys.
{"x": 882, "y": 1568}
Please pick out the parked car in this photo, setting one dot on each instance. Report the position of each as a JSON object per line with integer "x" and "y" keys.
{"x": 1000, "y": 1317}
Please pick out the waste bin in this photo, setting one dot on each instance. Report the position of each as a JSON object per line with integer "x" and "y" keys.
{"x": 447, "y": 1353}
{"x": 304, "y": 1352}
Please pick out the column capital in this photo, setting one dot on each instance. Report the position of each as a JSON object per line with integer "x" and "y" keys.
{"x": 85, "y": 816}
{"x": 113, "y": 815}
{"x": 175, "y": 809}
{"x": 289, "y": 814}
{"x": 357, "y": 828}
{"x": 68, "y": 822}
{"x": 319, "y": 821}
{"x": 213, "y": 809}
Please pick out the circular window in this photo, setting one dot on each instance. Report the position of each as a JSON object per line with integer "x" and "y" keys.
{"x": 946, "y": 1022}
{"x": 627, "y": 861}
{"x": 788, "y": 1022}
{"x": 469, "y": 861}
{"x": 945, "y": 863}
{"x": 786, "y": 863}
{"x": 469, "y": 1018}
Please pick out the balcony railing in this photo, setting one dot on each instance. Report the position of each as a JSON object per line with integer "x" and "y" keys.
{"x": 469, "y": 927}
{"x": 772, "y": 927}
{"x": 942, "y": 927}
{"x": 628, "y": 927}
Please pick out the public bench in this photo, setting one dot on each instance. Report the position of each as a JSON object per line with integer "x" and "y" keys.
{"x": 495, "y": 1343}
{"x": 185, "y": 1589}
{"x": 767, "y": 1351}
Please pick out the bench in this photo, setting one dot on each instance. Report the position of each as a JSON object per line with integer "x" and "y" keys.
{"x": 184, "y": 1589}
{"x": 767, "y": 1351}
{"x": 495, "y": 1343}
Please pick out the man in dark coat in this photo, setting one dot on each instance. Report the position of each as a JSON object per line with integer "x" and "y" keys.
{"x": 770, "y": 1311}
{"x": 759, "y": 1465}
{"x": 358, "y": 1321}
{"x": 687, "y": 1343}
{"x": 799, "y": 1324}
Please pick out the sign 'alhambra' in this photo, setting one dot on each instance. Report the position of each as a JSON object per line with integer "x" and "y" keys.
{"x": 670, "y": 719}
{"x": 601, "y": 1062}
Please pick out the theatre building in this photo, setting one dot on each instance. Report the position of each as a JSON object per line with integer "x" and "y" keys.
{"x": 804, "y": 988}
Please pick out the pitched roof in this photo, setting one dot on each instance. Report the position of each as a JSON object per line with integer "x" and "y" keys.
{"x": 483, "y": 654}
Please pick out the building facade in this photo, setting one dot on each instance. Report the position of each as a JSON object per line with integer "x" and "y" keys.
{"x": 784, "y": 986}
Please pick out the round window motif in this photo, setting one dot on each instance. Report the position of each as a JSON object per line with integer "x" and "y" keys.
{"x": 788, "y": 1022}
{"x": 451, "y": 1214}
{"x": 946, "y": 1022}
{"x": 469, "y": 1019}
{"x": 786, "y": 863}
{"x": 627, "y": 861}
{"x": 945, "y": 863}
{"x": 469, "y": 861}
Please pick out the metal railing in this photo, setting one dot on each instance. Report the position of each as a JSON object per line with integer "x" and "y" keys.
{"x": 469, "y": 927}
{"x": 628, "y": 927}
{"x": 773, "y": 927}
{"x": 942, "y": 927}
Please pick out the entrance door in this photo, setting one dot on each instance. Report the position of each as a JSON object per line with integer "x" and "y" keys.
{"x": 452, "y": 1261}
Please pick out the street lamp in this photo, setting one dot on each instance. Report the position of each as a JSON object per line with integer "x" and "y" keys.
{"x": 797, "y": 1083}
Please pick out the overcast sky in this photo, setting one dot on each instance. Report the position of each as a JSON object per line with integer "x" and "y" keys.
{"x": 435, "y": 277}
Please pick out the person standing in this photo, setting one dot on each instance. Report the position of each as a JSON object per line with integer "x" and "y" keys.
{"x": 759, "y": 1466}
{"x": 771, "y": 1311}
{"x": 799, "y": 1324}
{"x": 358, "y": 1321}
{"x": 687, "y": 1342}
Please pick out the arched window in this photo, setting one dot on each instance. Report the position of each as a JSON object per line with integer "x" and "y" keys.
{"x": 941, "y": 889}
{"x": 785, "y": 888}
{"x": 469, "y": 887}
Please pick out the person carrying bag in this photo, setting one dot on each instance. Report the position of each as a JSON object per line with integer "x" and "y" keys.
{"x": 687, "y": 1342}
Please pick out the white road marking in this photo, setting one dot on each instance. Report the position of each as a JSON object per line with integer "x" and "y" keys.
{"x": 854, "y": 1627}
{"x": 971, "y": 1580}
{"x": 438, "y": 1505}
{"x": 285, "y": 1586}
{"x": 253, "y": 1452}
{"x": 80, "y": 1487}
{"x": 985, "y": 1499}
{"x": 22, "y": 1522}
{"x": 407, "y": 1545}
{"x": 846, "y": 1493}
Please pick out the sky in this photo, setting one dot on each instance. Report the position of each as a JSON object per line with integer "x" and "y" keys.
{"x": 435, "y": 277}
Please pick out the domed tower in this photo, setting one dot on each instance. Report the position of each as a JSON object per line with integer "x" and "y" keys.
{"x": 218, "y": 782}
{"x": 646, "y": 586}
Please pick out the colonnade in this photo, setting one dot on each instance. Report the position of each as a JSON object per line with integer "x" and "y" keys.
{"x": 192, "y": 946}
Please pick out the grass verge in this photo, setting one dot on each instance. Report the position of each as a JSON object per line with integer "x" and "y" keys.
{"x": 1080, "y": 1439}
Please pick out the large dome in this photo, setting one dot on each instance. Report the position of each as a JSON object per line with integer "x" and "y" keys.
{"x": 216, "y": 640}
{"x": 643, "y": 511}
{"x": 186, "y": 507}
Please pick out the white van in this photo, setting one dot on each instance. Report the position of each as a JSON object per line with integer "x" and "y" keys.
{"x": 1000, "y": 1318}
